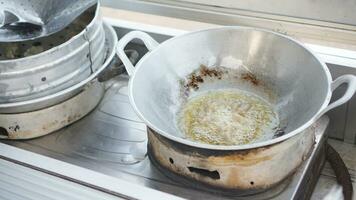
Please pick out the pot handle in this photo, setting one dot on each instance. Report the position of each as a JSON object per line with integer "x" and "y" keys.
{"x": 351, "y": 88}
{"x": 149, "y": 42}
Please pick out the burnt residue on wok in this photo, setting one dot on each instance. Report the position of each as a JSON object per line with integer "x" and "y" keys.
{"x": 197, "y": 77}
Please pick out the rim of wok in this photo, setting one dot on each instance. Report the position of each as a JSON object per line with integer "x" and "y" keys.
{"x": 231, "y": 147}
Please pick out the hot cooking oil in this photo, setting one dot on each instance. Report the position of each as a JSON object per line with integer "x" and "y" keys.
{"x": 226, "y": 117}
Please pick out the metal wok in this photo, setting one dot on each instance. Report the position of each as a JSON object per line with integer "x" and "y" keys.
{"x": 291, "y": 77}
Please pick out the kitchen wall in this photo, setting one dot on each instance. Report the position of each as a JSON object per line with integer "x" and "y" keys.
{"x": 322, "y": 10}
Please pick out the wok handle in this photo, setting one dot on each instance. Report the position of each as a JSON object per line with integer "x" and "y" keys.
{"x": 149, "y": 42}
{"x": 351, "y": 88}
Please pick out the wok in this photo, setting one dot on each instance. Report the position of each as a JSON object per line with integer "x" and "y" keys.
{"x": 290, "y": 77}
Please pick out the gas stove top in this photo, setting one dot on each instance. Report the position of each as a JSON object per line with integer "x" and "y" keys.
{"x": 112, "y": 140}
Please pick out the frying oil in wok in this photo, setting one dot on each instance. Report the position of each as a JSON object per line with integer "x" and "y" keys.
{"x": 226, "y": 117}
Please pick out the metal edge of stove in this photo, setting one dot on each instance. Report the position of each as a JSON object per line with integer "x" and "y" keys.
{"x": 80, "y": 175}
{"x": 22, "y": 183}
{"x": 318, "y": 158}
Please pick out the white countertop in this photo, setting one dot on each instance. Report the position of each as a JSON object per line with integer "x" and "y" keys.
{"x": 333, "y": 52}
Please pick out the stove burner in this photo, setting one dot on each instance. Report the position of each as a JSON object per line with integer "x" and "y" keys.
{"x": 272, "y": 192}
{"x": 231, "y": 172}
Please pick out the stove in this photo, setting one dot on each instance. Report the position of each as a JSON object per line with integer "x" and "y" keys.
{"x": 112, "y": 140}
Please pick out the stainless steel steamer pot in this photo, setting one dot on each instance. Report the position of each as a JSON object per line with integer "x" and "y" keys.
{"x": 58, "y": 115}
{"x": 301, "y": 81}
{"x": 27, "y": 83}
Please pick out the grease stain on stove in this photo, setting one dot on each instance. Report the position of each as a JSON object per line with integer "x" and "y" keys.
{"x": 49, "y": 125}
{"x": 118, "y": 105}
{"x": 106, "y": 141}
{"x": 14, "y": 128}
{"x": 248, "y": 159}
{"x": 72, "y": 118}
